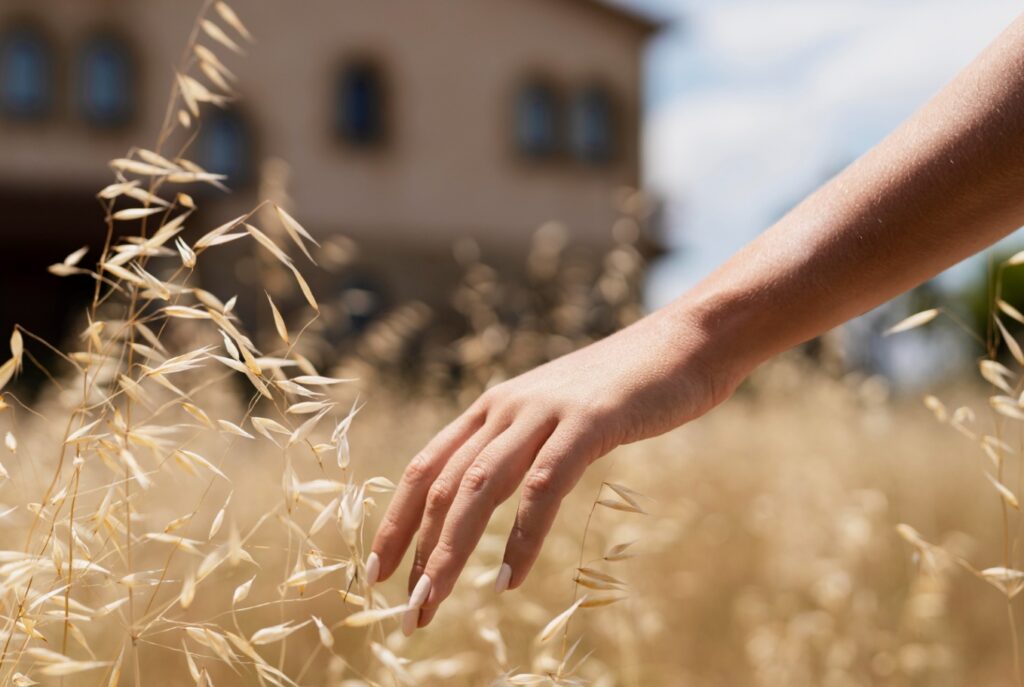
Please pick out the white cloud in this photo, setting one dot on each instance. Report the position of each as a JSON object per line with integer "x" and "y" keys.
{"x": 754, "y": 103}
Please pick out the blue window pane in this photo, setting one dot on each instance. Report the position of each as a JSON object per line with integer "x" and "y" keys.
{"x": 592, "y": 126}
{"x": 359, "y": 110}
{"x": 537, "y": 121}
{"x": 223, "y": 145}
{"x": 105, "y": 82}
{"x": 26, "y": 74}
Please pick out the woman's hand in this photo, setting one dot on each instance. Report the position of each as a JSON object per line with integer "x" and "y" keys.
{"x": 941, "y": 187}
{"x": 543, "y": 428}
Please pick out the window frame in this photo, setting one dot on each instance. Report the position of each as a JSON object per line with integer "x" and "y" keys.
{"x": 614, "y": 127}
{"x": 539, "y": 80}
{"x": 249, "y": 172}
{"x": 377, "y": 67}
{"x": 130, "y": 53}
{"x": 53, "y": 101}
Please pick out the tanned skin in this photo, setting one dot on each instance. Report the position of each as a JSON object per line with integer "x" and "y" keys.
{"x": 946, "y": 184}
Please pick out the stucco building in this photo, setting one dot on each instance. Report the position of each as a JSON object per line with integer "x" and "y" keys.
{"x": 406, "y": 125}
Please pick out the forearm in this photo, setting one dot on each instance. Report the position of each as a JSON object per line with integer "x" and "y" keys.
{"x": 947, "y": 183}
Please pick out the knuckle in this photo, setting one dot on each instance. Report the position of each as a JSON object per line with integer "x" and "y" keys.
{"x": 502, "y": 413}
{"x": 491, "y": 396}
{"x": 541, "y": 482}
{"x": 477, "y": 480}
{"x": 418, "y": 469}
{"x": 439, "y": 497}
{"x": 443, "y": 554}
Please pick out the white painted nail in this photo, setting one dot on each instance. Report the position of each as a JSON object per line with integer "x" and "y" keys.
{"x": 504, "y": 577}
{"x": 420, "y": 593}
{"x": 372, "y": 569}
{"x": 409, "y": 621}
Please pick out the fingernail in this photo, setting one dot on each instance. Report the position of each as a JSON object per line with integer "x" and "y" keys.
{"x": 504, "y": 576}
{"x": 419, "y": 593}
{"x": 372, "y": 569}
{"x": 409, "y": 621}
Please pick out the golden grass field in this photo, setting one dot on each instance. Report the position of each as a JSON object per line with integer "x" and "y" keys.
{"x": 769, "y": 555}
{"x": 188, "y": 503}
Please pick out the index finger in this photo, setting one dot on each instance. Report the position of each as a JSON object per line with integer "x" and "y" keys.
{"x": 402, "y": 518}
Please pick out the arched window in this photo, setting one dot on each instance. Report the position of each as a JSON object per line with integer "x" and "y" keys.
{"x": 224, "y": 145}
{"x": 592, "y": 126}
{"x": 359, "y": 110}
{"x": 106, "y": 81}
{"x": 26, "y": 74}
{"x": 537, "y": 120}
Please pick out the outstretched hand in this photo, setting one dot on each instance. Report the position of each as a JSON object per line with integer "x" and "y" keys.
{"x": 541, "y": 429}
{"x": 941, "y": 187}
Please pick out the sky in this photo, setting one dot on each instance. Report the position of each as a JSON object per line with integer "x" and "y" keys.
{"x": 751, "y": 104}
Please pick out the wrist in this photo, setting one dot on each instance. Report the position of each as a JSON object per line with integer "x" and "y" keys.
{"x": 717, "y": 341}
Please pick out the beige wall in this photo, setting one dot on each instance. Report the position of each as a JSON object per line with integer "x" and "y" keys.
{"x": 449, "y": 169}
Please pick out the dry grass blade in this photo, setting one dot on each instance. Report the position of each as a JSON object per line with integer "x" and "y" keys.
{"x": 527, "y": 679}
{"x": 1009, "y": 310}
{"x": 17, "y": 349}
{"x": 242, "y": 591}
{"x": 72, "y": 668}
{"x": 232, "y": 428}
{"x": 74, "y": 258}
{"x": 1011, "y": 343}
{"x": 317, "y": 380}
{"x": 1008, "y": 496}
{"x": 628, "y": 495}
{"x": 115, "y": 672}
{"x": 7, "y": 371}
{"x": 136, "y": 167}
{"x": 915, "y": 320}
{"x": 1009, "y": 407}
{"x": 379, "y": 485}
{"x": 599, "y": 601}
{"x": 621, "y": 505}
{"x": 144, "y": 196}
{"x": 208, "y": 239}
{"x": 231, "y": 19}
{"x": 594, "y": 574}
{"x": 188, "y": 256}
{"x": 269, "y": 244}
{"x": 218, "y": 519}
{"x": 135, "y": 213}
{"x": 559, "y": 621}
{"x": 326, "y": 638}
{"x": 304, "y": 287}
{"x": 296, "y": 232}
{"x": 194, "y": 93}
{"x": 279, "y": 324}
{"x": 1006, "y": 580}
{"x": 215, "y": 77}
{"x": 275, "y": 633}
{"x": 217, "y": 34}
{"x": 374, "y": 615}
{"x": 995, "y": 373}
{"x": 305, "y": 577}
{"x": 351, "y": 598}
{"x": 208, "y": 57}
{"x": 619, "y": 552}
{"x": 307, "y": 407}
